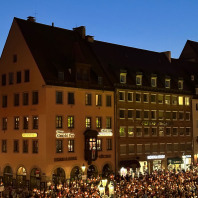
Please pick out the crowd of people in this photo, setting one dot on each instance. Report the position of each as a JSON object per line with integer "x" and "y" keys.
{"x": 159, "y": 184}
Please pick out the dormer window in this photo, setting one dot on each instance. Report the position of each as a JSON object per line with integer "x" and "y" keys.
{"x": 60, "y": 75}
{"x": 180, "y": 84}
{"x": 153, "y": 81}
{"x": 167, "y": 83}
{"x": 123, "y": 78}
{"x": 192, "y": 77}
{"x": 138, "y": 79}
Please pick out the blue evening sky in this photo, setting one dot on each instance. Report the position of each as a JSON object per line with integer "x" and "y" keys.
{"x": 156, "y": 25}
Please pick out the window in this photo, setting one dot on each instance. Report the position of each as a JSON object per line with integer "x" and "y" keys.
{"x": 146, "y": 114}
{"x": 35, "y": 120}
{"x": 181, "y": 115}
{"x": 122, "y": 149}
{"x": 160, "y": 99}
{"x": 182, "y": 147}
{"x": 4, "y": 101}
{"x": 167, "y": 83}
{"x": 169, "y": 147}
{"x": 98, "y": 100}
{"x": 138, "y": 79}
{"x": 161, "y": 131}
{"x": 61, "y": 75}
{"x": 4, "y": 123}
{"x": 153, "y": 81}
{"x": 168, "y": 131}
{"x": 130, "y": 113}
{"x": 138, "y": 114}
{"x": 71, "y": 146}
{"x": 153, "y": 98}
{"x": 108, "y": 122}
{"x": 122, "y": 113}
{"x": 16, "y": 146}
{"x": 167, "y": 99}
{"x": 16, "y": 99}
{"x": 146, "y": 131}
{"x": 25, "y": 98}
{"x": 155, "y": 147}
{"x": 27, "y": 76}
{"x": 18, "y": 77}
{"x": 123, "y": 78}
{"x": 59, "y": 146}
{"x": 121, "y": 95}
{"x": 176, "y": 147}
{"x": 139, "y": 148}
{"x": 130, "y": 96}
{"x": 35, "y": 97}
{"x": 147, "y": 148}
{"x": 3, "y": 79}
{"x": 88, "y": 99}
{"x": 162, "y": 147}
{"x": 25, "y": 146}
{"x": 181, "y": 100}
{"x": 187, "y": 101}
{"x": 174, "y": 100}
{"x": 122, "y": 131}
{"x": 180, "y": 84}
{"x": 181, "y": 131}
{"x": 154, "y": 131}
{"x": 175, "y": 131}
{"x": 146, "y": 97}
{"x": 4, "y": 146}
{"x": 59, "y": 122}
{"x": 161, "y": 115}
{"x": 99, "y": 144}
{"x": 188, "y": 146}
{"x": 88, "y": 122}
{"x": 70, "y": 122}
{"x": 98, "y": 122}
{"x": 108, "y": 101}
{"x": 25, "y": 122}
{"x": 138, "y": 97}
{"x": 14, "y": 58}
{"x": 187, "y": 131}
{"x": 138, "y": 131}
{"x": 187, "y": 116}
{"x": 11, "y": 78}
{"x": 153, "y": 114}
{"x": 16, "y": 122}
{"x": 109, "y": 144}
{"x": 100, "y": 80}
{"x": 131, "y": 149}
{"x": 34, "y": 146}
{"x": 167, "y": 115}
{"x": 130, "y": 131}
{"x": 71, "y": 98}
{"x": 174, "y": 115}
{"x": 59, "y": 97}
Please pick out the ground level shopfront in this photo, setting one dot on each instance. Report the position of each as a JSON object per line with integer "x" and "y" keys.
{"x": 155, "y": 162}
{"x": 37, "y": 179}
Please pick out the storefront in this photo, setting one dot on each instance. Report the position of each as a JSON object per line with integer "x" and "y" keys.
{"x": 58, "y": 176}
{"x": 155, "y": 162}
{"x": 187, "y": 162}
{"x": 174, "y": 163}
{"x": 35, "y": 178}
{"x": 143, "y": 166}
{"x": 129, "y": 167}
{"x": 7, "y": 176}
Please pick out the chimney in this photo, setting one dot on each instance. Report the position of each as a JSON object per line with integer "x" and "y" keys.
{"x": 168, "y": 55}
{"x": 31, "y": 18}
{"x": 90, "y": 38}
{"x": 80, "y": 30}
{"x": 52, "y": 24}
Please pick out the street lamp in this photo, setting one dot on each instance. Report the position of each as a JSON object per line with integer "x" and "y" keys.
{"x": 83, "y": 168}
{"x": 111, "y": 189}
{"x": 101, "y": 189}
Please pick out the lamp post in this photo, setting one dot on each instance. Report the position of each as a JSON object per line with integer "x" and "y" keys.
{"x": 111, "y": 190}
{"x": 83, "y": 171}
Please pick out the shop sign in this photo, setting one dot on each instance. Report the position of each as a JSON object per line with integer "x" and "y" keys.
{"x": 105, "y": 132}
{"x": 29, "y": 135}
{"x": 61, "y": 134}
{"x": 65, "y": 159}
{"x": 104, "y": 156}
{"x": 175, "y": 161}
{"x": 152, "y": 123}
{"x": 188, "y": 156}
{"x": 155, "y": 156}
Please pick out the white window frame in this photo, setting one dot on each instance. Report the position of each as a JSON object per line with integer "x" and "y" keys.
{"x": 123, "y": 78}
{"x": 167, "y": 80}
{"x": 139, "y": 80}
{"x": 153, "y": 81}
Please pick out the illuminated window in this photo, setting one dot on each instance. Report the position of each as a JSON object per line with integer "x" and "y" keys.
{"x": 16, "y": 122}
{"x": 88, "y": 122}
{"x": 180, "y": 84}
{"x": 138, "y": 79}
{"x": 98, "y": 122}
{"x": 122, "y": 131}
{"x": 59, "y": 146}
{"x": 167, "y": 99}
{"x": 123, "y": 78}
{"x": 34, "y": 146}
{"x": 88, "y": 99}
{"x": 35, "y": 121}
{"x": 25, "y": 122}
{"x": 121, "y": 95}
{"x": 70, "y": 121}
{"x": 187, "y": 100}
{"x": 153, "y": 81}
{"x": 70, "y": 145}
{"x": 98, "y": 100}
{"x": 130, "y": 96}
{"x": 99, "y": 144}
{"x": 181, "y": 100}
{"x": 160, "y": 99}
{"x": 130, "y": 131}
{"x": 167, "y": 83}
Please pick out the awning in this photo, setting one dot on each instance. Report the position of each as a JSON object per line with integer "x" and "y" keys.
{"x": 175, "y": 160}
{"x": 130, "y": 164}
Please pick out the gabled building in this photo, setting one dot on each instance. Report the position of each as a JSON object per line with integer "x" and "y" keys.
{"x": 57, "y": 107}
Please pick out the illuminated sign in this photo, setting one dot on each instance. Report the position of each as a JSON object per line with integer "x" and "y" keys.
{"x": 105, "y": 132}
{"x": 155, "y": 156}
{"x": 61, "y": 134}
{"x": 153, "y": 123}
{"x": 29, "y": 135}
